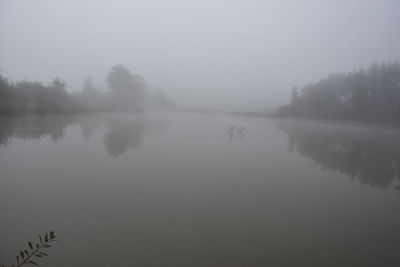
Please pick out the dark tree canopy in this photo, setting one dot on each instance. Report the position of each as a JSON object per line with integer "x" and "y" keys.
{"x": 128, "y": 90}
{"x": 127, "y": 93}
{"x": 25, "y": 97}
{"x": 119, "y": 78}
{"x": 371, "y": 95}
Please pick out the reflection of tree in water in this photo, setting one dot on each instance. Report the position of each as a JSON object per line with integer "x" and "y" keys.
{"x": 89, "y": 124}
{"x": 370, "y": 155}
{"x": 34, "y": 127}
{"x": 123, "y": 134}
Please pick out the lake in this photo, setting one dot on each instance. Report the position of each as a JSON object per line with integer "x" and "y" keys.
{"x": 167, "y": 189}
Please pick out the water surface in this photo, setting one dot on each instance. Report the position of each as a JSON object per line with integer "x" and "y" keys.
{"x": 187, "y": 190}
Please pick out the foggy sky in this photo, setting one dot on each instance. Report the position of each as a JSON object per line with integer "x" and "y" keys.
{"x": 209, "y": 53}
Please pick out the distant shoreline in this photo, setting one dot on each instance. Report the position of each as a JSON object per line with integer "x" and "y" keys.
{"x": 341, "y": 122}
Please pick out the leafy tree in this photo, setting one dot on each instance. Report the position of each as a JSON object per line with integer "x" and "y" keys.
{"x": 128, "y": 90}
{"x": 370, "y": 96}
{"x": 26, "y": 97}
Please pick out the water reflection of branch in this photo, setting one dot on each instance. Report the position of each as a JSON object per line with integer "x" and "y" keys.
{"x": 370, "y": 155}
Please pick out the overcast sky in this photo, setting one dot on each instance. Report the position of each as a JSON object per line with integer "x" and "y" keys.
{"x": 231, "y": 54}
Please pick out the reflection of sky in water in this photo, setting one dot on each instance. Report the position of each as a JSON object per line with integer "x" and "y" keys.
{"x": 175, "y": 189}
{"x": 370, "y": 155}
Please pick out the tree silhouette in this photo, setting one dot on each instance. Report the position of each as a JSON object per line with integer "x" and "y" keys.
{"x": 371, "y": 95}
{"x": 128, "y": 90}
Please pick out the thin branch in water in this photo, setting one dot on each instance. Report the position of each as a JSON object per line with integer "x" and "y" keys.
{"x": 26, "y": 256}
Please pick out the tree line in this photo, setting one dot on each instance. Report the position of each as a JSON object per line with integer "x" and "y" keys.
{"x": 371, "y": 95}
{"x": 127, "y": 92}
{"x": 24, "y": 97}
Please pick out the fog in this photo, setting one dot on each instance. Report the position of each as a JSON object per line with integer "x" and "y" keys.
{"x": 200, "y": 133}
{"x": 226, "y": 55}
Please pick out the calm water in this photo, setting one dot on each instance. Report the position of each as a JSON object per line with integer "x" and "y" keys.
{"x": 188, "y": 190}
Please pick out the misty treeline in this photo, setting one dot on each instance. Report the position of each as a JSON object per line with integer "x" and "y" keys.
{"x": 371, "y": 95}
{"x": 127, "y": 92}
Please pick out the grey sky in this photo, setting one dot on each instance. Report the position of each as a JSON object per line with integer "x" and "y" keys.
{"x": 209, "y": 53}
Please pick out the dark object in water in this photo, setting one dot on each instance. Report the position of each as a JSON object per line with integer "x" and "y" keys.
{"x": 236, "y": 132}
